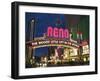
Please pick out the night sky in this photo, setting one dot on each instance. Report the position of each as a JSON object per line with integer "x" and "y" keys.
{"x": 43, "y": 20}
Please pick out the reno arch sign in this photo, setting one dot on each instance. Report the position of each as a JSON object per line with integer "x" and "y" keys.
{"x": 57, "y": 32}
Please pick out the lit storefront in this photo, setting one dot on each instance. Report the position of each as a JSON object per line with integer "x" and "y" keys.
{"x": 85, "y": 53}
{"x": 71, "y": 54}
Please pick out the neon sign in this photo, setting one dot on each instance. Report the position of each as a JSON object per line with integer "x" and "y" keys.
{"x": 57, "y": 32}
{"x": 53, "y": 42}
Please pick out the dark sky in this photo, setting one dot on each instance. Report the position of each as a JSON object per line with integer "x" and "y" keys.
{"x": 43, "y": 20}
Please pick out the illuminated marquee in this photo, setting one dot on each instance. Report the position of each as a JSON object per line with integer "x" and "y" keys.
{"x": 57, "y": 32}
{"x": 54, "y": 43}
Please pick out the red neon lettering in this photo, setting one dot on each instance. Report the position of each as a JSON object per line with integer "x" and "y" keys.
{"x": 49, "y": 31}
{"x": 66, "y": 33}
{"x": 61, "y": 33}
{"x": 55, "y": 33}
